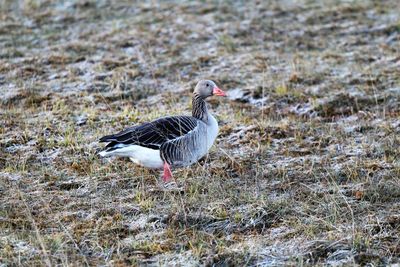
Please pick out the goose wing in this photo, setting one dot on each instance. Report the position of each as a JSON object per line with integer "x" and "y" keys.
{"x": 153, "y": 134}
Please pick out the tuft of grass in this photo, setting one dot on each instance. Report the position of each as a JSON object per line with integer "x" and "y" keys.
{"x": 281, "y": 90}
{"x": 228, "y": 43}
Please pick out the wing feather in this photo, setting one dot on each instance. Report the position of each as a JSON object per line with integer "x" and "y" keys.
{"x": 153, "y": 134}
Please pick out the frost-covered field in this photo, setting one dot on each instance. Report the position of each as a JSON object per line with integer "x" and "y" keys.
{"x": 306, "y": 168}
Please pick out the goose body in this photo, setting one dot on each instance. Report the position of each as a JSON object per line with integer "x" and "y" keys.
{"x": 173, "y": 141}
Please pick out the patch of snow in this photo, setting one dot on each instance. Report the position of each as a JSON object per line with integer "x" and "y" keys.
{"x": 11, "y": 176}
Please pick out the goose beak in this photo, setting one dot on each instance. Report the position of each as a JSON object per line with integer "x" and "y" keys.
{"x": 218, "y": 92}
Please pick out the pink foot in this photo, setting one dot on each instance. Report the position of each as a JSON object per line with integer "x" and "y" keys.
{"x": 167, "y": 173}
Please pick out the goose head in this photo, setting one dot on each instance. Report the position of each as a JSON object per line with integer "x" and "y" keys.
{"x": 206, "y": 88}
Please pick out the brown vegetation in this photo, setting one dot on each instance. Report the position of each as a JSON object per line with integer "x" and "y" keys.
{"x": 306, "y": 168}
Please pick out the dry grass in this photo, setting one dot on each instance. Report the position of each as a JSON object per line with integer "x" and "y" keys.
{"x": 305, "y": 171}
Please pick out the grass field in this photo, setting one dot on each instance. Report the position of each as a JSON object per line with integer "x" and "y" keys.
{"x": 306, "y": 168}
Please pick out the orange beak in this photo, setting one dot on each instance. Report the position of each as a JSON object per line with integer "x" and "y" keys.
{"x": 218, "y": 92}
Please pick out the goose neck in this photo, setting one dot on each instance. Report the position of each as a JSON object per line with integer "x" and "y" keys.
{"x": 199, "y": 108}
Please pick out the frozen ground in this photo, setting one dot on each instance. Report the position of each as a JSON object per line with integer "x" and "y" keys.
{"x": 306, "y": 168}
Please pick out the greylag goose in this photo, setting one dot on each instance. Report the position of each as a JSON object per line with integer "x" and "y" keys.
{"x": 173, "y": 141}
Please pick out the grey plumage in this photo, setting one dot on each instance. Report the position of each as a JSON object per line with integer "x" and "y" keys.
{"x": 186, "y": 150}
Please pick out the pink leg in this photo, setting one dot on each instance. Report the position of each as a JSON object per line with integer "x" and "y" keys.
{"x": 167, "y": 173}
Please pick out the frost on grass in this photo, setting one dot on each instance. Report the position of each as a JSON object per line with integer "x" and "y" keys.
{"x": 305, "y": 169}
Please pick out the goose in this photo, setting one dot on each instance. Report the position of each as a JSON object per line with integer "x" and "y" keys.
{"x": 172, "y": 141}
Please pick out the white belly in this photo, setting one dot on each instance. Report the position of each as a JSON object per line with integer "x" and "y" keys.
{"x": 146, "y": 157}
